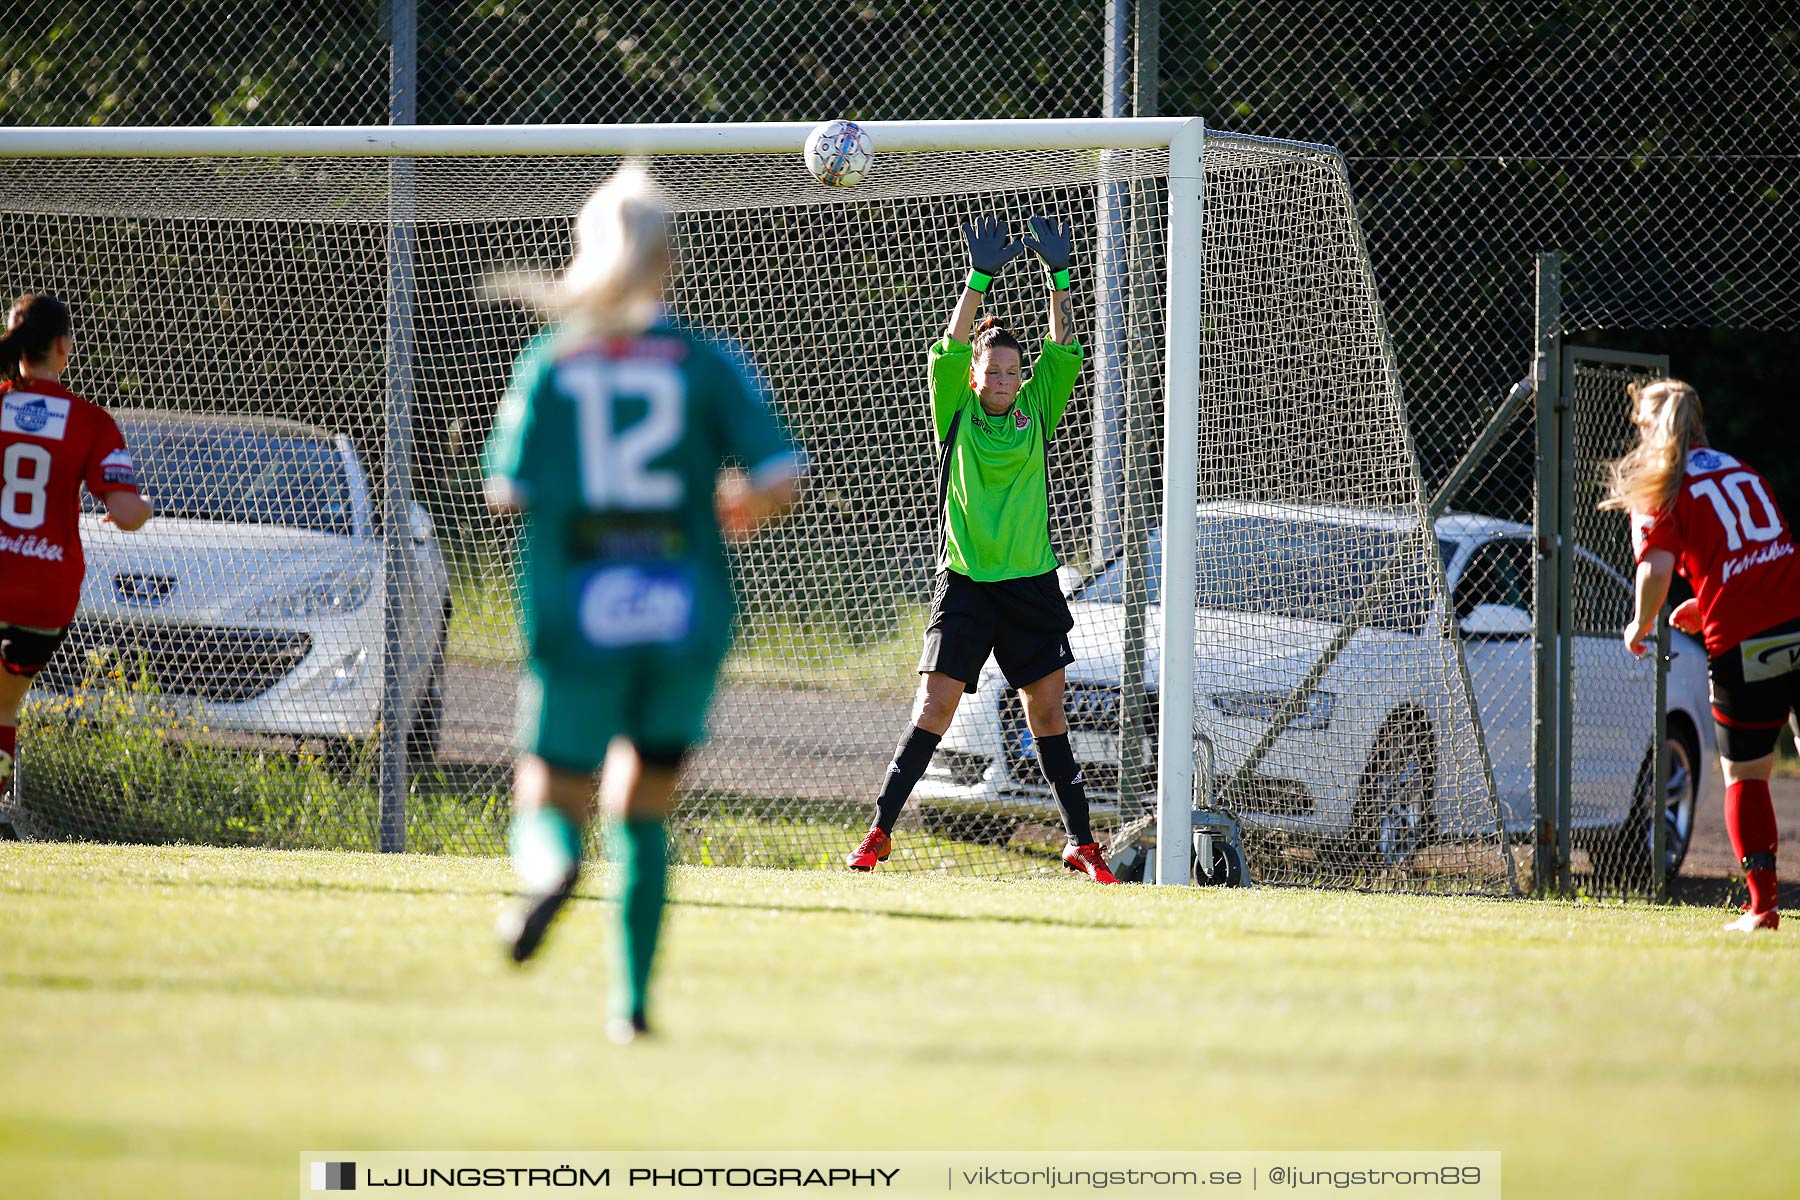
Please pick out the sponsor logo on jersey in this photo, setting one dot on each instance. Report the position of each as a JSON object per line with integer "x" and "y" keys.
{"x": 1705, "y": 460}
{"x": 32, "y": 547}
{"x": 637, "y": 604}
{"x": 35, "y": 415}
{"x": 1742, "y": 563}
{"x": 117, "y": 467}
{"x": 998, "y": 424}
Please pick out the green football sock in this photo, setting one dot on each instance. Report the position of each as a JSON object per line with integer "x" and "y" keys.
{"x": 544, "y": 845}
{"x": 642, "y": 851}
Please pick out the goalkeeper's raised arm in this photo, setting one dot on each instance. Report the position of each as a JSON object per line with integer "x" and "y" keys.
{"x": 991, "y": 250}
{"x": 997, "y": 591}
{"x": 1054, "y": 246}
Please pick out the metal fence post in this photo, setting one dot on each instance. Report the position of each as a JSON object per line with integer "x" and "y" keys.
{"x": 1136, "y": 480}
{"x": 396, "y": 679}
{"x": 1146, "y": 67}
{"x": 1565, "y": 620}
{"x": 1112, "y": 276}
{"x": 1545, "y": 831}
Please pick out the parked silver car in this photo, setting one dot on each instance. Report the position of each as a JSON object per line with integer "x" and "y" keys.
{"x": 255, "y": 597}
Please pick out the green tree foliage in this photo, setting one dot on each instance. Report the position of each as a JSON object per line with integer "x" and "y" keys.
{"x": 766, "y": 60}
{"x": 193, "y": 62}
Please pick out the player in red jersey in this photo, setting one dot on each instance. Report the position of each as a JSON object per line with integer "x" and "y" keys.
{"x": 1713, "y": 518}
{"x": 51, "y": 442}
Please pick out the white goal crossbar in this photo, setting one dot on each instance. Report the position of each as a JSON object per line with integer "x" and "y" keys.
{"x": 398, "y": 141}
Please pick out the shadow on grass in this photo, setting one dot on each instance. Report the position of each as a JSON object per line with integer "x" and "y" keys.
{"x": 902, "y": 914}
{"x": 1707, "y": 892}
{"x": 287, "y": 989}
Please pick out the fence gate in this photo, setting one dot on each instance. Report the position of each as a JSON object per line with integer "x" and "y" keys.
{"x": 1614, "y": 782}
{"x": 1613, "y": 818}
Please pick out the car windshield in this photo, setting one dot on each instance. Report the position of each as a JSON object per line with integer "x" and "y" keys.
{"x": 241, "y": 474}
{"x": 1306, "y": 570}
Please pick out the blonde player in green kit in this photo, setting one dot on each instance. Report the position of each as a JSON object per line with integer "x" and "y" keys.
{"x": 997, "y": 590}
{"x": 612, "y": 443}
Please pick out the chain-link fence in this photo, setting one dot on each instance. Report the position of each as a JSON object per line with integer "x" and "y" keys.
{"x": 1655, "y": 148}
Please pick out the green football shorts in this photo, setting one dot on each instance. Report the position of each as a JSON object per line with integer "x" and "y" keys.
{"x": 656, "y": 701}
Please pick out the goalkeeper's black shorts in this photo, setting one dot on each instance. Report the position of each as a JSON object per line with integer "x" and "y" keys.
{"x": 1023, "y": 623}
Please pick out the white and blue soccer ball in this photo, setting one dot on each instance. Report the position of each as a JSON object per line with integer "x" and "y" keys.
{"x": 838, "y": 153}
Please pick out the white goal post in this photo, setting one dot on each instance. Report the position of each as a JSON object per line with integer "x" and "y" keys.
{"x": 1261, "y": 334}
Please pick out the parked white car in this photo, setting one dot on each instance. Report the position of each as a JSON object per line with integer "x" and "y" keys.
{"x": 255, "y": 596}
{"x": 1361, "y": 767}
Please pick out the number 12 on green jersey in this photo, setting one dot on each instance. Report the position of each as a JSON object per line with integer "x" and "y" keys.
{"x": 615, "y": 463}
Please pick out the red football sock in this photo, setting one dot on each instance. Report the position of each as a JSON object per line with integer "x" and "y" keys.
{"x": 1750, "y": 820}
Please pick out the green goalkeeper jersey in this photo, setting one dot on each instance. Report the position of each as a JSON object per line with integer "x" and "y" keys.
{"x": 612, "y": 448}
{"x": 993, "y": 486}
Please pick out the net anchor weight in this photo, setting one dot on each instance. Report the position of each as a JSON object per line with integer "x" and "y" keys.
{"x": 1216, "y": 857}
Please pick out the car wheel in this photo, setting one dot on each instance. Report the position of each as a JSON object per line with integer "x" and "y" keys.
{"x": 1682, "y": 800}
{"x": 426, "y": 736}
{"x": 1625, "y": 859}
{"x": 1393, "y": 818}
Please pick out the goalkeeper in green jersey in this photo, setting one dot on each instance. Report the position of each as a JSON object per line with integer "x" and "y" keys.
{"x": 997, "y": 590}
{"x": 611, "y": 442}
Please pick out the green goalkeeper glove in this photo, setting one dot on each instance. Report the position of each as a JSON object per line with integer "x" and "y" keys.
{"x": 989, "y": 250}
{"x": 1055, "y": 245}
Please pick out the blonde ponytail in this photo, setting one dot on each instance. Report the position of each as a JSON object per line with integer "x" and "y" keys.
{"x": 614, "y": 284}
{"x": 1670, "y": 423}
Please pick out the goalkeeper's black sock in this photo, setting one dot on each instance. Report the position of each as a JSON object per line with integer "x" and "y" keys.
{"x": 911, "y": 757}
{"x": 1064, "y": 776}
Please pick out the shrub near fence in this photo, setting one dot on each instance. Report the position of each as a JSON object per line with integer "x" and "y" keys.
{"x": 114, "y": 760}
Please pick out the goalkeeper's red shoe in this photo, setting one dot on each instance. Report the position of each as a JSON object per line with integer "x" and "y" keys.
{"x": 1088, "y": 861}
{"x": 1750, "y": 922}
{"x": 874, "y": 848}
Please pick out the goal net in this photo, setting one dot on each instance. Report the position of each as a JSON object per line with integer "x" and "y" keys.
{"x": 306, "y": 353}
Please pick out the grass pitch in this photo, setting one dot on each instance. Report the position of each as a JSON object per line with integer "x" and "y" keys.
{"x": 185, "y": 1021}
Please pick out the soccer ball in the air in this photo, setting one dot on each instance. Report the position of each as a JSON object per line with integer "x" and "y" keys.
{"x": 838, "y": 153}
